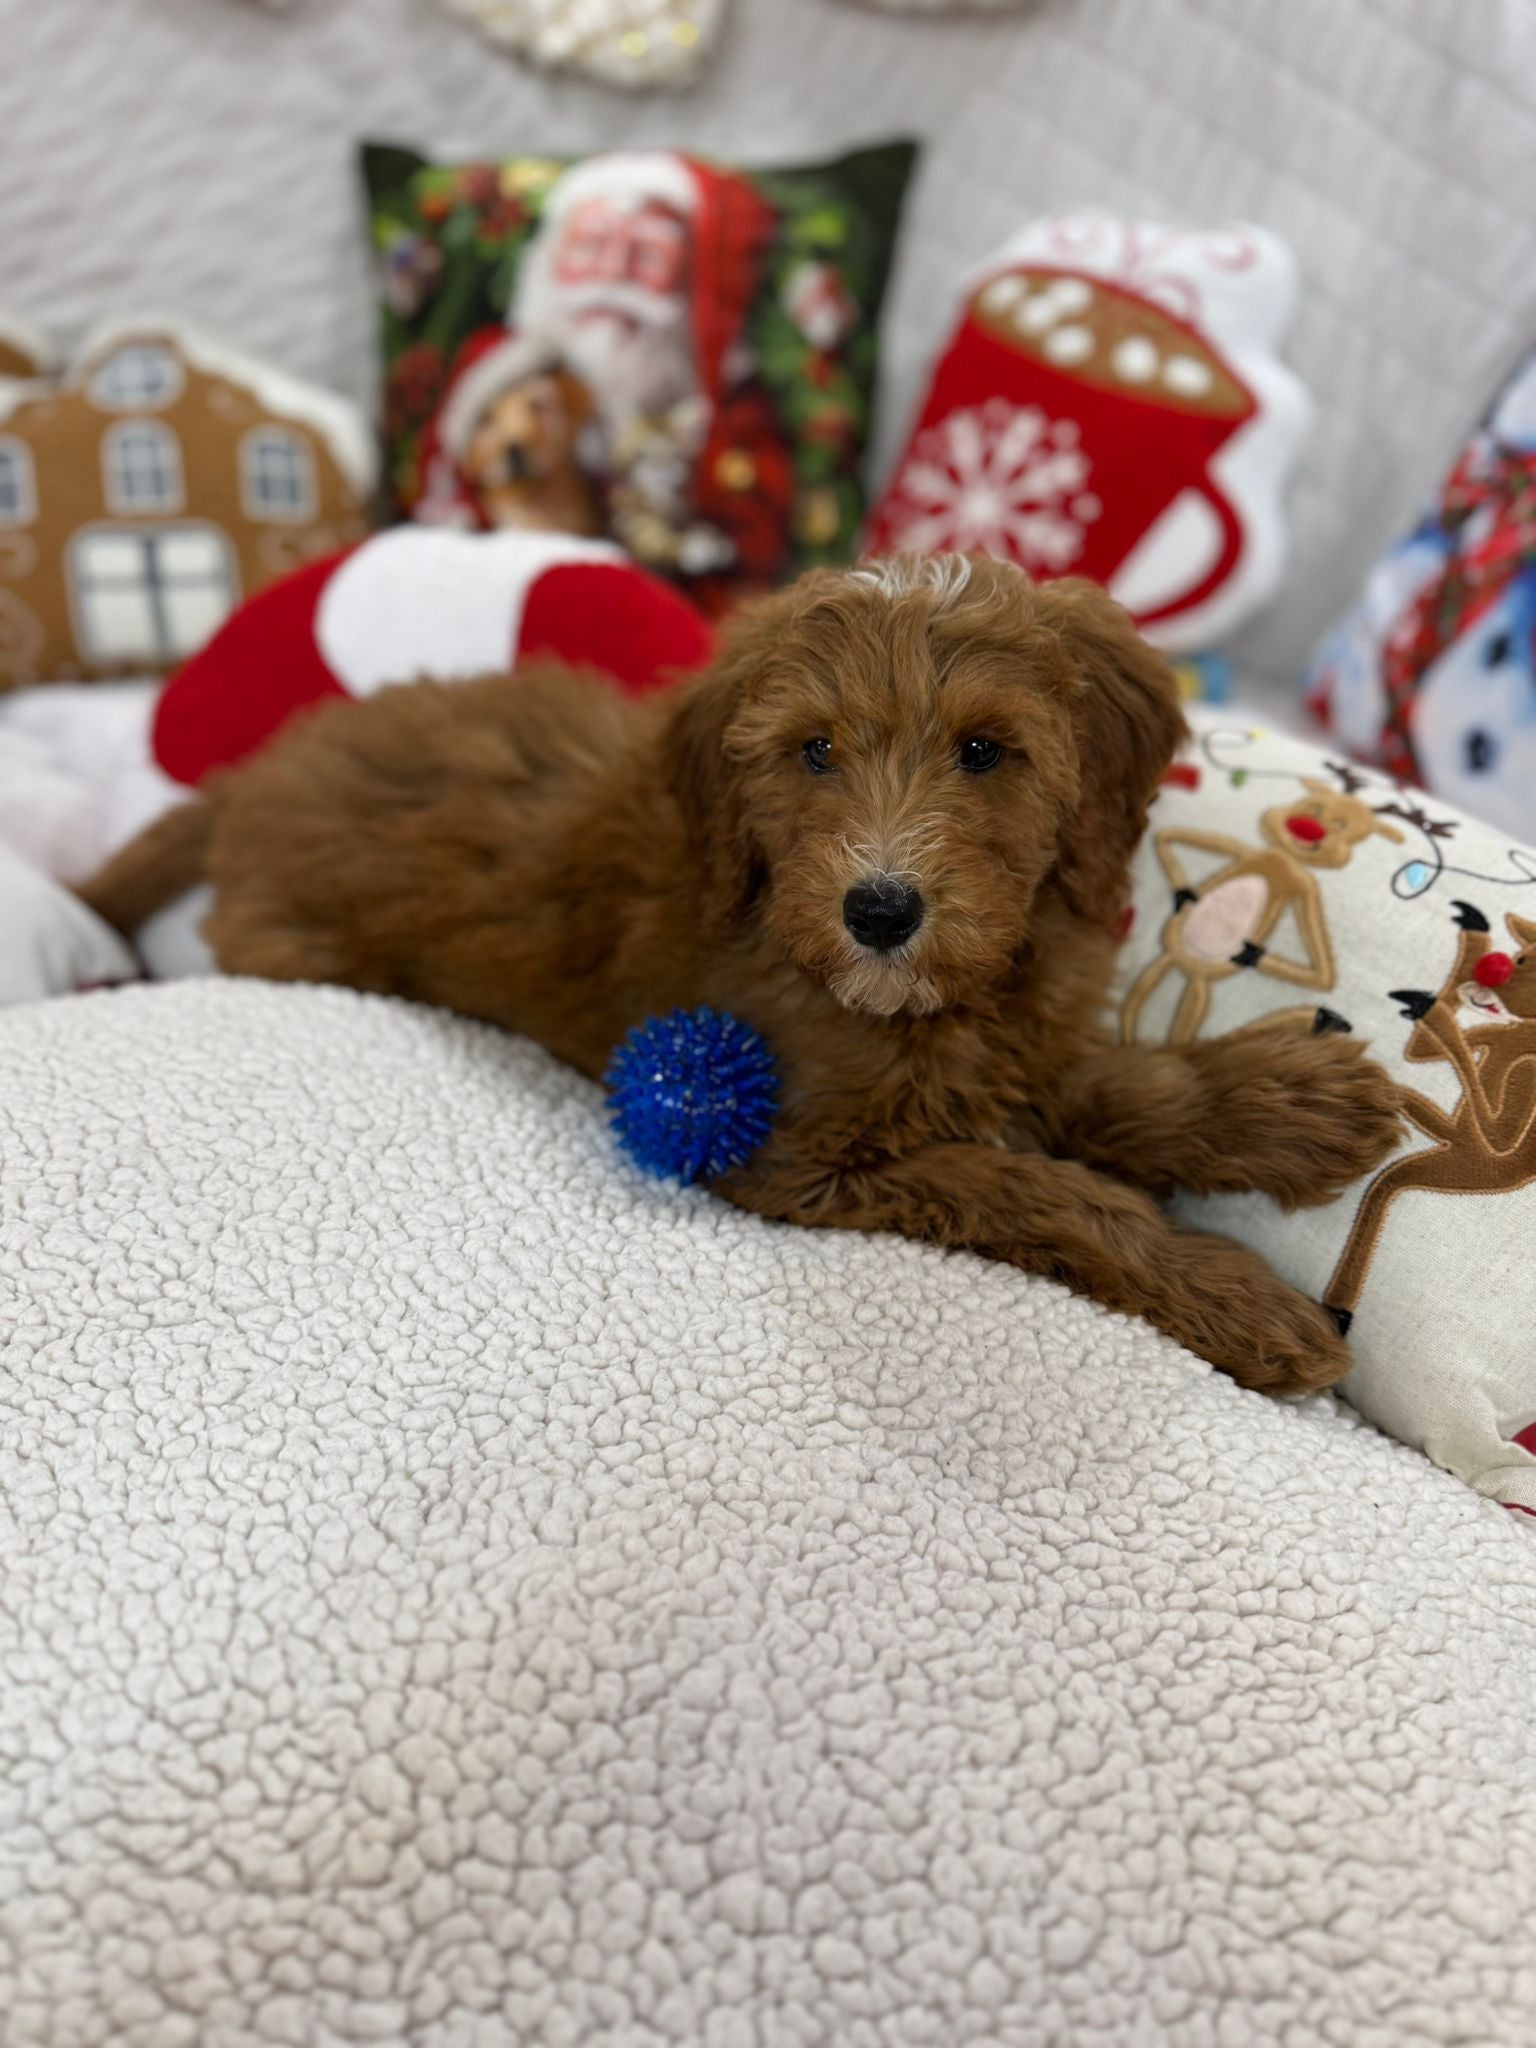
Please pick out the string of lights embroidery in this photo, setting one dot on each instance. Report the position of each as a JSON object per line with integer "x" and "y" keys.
{"x": 636, "y": 44}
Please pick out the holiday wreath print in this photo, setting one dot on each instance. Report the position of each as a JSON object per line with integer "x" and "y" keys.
{"x": 643, "y": 345}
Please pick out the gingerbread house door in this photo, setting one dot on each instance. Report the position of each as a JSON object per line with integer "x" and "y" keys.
{"x": 149, "y": 595}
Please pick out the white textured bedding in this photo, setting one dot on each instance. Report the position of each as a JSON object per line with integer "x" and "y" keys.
{"x": 457, "y": 1593}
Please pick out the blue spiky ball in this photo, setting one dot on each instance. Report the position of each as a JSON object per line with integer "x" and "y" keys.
{"x": 692, "y": 1094}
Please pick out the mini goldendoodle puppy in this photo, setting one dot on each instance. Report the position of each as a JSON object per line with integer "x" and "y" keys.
{"x": 890, "y": 829}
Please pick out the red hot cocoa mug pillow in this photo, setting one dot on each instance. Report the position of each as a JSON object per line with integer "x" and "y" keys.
{"x": 1110, "y": 405}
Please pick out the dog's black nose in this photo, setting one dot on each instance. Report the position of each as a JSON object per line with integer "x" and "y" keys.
{"x": 518, "y": 465}
{"x": 882, "y": 914}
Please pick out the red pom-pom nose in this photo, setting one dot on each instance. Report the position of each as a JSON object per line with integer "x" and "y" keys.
{"x": 1494, "y": 969}
{"x": 1309, "y": 830}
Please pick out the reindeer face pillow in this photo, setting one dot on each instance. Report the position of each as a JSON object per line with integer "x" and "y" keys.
{"x": 1280, "y": 888}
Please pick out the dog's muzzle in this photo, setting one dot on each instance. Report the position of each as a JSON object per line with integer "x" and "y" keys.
{"x": 882, "y": 914}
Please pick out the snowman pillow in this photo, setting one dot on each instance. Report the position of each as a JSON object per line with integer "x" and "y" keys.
{"x": 1433, "y": 673}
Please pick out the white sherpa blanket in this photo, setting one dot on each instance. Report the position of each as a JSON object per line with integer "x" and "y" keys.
{"x": 453, "y": 1592}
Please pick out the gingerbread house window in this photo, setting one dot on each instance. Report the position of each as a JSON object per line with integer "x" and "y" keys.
{"x": 152, "y": 596}
{"x": 277, "y": 475}
{"x": 140, "y": 373}
{"x": 18, "y": 483}
{"x": 141, "y": 468}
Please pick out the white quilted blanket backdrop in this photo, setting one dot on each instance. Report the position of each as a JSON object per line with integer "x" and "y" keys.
{"x": 196, "y": 155}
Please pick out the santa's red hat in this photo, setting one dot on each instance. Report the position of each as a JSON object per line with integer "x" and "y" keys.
{"x": 492, "y": 361}
{"x": 420, "y": 601}
{"x": 732, "y": 229}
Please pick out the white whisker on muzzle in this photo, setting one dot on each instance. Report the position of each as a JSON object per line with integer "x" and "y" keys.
{"x": 906, "y": 857}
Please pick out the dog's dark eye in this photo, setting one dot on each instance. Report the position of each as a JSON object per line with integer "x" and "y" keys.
{"x": 978, "y": 756}
{"x": 1498, "y": 650}
{"x": 817, "y": 755}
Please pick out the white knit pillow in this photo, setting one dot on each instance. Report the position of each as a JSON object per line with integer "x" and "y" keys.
{"x": 1279, "y": 883}
{"x": 50, "y": 944}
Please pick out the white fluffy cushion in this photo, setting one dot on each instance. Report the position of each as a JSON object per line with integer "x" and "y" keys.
{"x": 1432, "y": 1258}
{"x": 50, "y": 944}
{"x": 456, "y": 1592}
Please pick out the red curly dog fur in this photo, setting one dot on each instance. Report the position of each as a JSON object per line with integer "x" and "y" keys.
{"x": 565, "y": 862}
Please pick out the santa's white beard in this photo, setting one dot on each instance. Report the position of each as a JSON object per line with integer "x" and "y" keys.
{"x": 632, "y": 348}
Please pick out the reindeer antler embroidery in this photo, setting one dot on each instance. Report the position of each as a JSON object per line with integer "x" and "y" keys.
{"x": 1419, "y": 818}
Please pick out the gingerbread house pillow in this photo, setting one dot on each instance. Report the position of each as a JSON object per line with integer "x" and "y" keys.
{"x": 162, "y": 478}
{"x": 25, "y": 351}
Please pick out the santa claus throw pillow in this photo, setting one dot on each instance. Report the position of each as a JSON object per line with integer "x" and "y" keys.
{"x": 642, "y": 344}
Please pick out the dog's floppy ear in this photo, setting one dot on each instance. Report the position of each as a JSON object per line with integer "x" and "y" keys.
{"x": 574, "y": 397}
{"x": 703, "y": 775}
{"x": 1128, "y": 724}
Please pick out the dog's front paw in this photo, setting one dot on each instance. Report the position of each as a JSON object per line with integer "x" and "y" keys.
{"x": 1287, "y": 1344}
{"x": 1304, "y": 1118}
{"x": 1225, "y": 1303}
{"x": 1344, "y": 1116}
